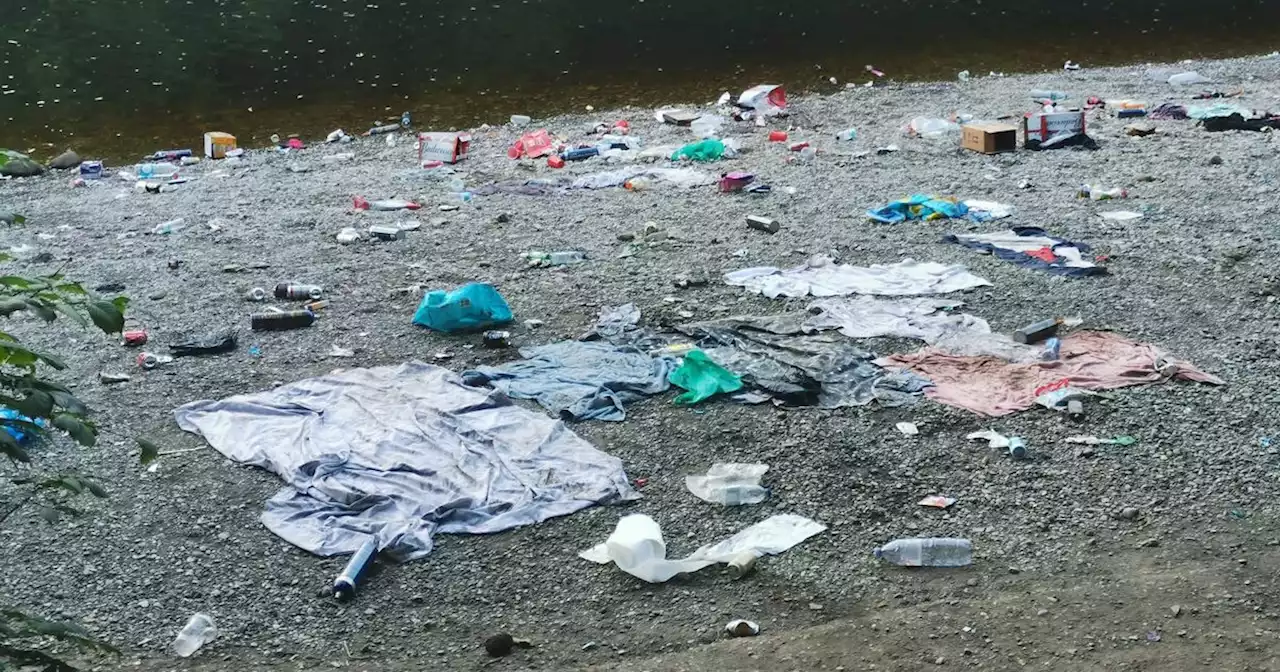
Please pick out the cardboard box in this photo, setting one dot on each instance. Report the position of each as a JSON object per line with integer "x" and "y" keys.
{"x": 990, "y": 138}
{"x": 446, "y": 147}
{"x": 1041, "y": 126}
{"x": 216, "y": 145}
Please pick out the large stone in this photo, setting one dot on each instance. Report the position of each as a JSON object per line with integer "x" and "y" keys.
{"x": 18, "y": 165}
{"x": 65, "y": 160}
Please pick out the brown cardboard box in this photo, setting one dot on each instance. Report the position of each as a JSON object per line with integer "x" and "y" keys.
{"x": 990, "y": 138}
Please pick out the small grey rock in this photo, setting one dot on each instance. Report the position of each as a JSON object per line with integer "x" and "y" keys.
{"x": 65, "y": 160}
{"x": 1215, "y": 160}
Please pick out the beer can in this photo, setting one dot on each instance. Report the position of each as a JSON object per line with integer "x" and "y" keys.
{"x": 135, "y": 337}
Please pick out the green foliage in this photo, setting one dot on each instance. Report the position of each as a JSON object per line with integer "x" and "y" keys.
{"x": 21, "y": 635}
{"x": 44, "y": 405}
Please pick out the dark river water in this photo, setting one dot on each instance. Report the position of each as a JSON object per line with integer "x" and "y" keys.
{"x": 117, "y": 77}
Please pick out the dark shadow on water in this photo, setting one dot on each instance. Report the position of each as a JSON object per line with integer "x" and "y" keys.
{"x": 117, "y": 77}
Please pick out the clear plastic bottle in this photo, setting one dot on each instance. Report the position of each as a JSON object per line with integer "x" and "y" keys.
{"x": 1041, "y": 95}
{"x": 156, "y": 171}
{"x": 847, "y": 134}
{"x": 933, "y": 552}
{"x": 1097, "y": 193}
{"x": 171, "y": 226}
{"x": 199, "y": 631}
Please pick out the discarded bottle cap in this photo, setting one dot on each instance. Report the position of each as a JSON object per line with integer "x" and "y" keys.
{"x": 742, "y": 564}
{"x": 1017, "y": 448}
{"x": 741, "y": 628}
{"x": 256, "y": 294}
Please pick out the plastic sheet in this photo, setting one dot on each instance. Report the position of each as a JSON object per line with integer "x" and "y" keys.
{"x": 774, "y": 354}
{"x": 579, "y": 381}
{"x": 823, "y": 277}
{"x": 702, "y": 378}
{"x": 682, "y": 178}
{"x": 637, "y": 547}
{"x": 470, "y": 307}
{"x": 398, "y": 453}
{"x": 730, "y": 484}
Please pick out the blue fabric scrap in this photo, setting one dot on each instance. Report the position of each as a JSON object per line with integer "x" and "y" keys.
{"x": 1060, "y": 248}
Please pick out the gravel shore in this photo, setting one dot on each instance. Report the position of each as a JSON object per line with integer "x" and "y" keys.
{"x": 1194, "y": 276}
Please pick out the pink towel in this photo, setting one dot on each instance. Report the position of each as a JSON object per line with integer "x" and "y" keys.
{"x": 1091, "y": 360}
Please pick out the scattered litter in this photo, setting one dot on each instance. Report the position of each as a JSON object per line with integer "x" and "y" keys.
{"x": 198, "y": 631}
{"x": 821, "y": 276}
{"x": 532, "y": 145}
{"x": 1189, "y": 79}
{"x": 339, "y": 351}
{"x": 1032, "y": 247}
{"x": 934, "y": 552}
{"x": 994, "y": 439}
{"x": 702, "y": 379}
{"x": 471, "y": 307}
{"x": 1095, "y": 441}
{"x": 937, "y": 501}
{"x": 764, "y": 224}
{"x": 741, "y": 628}
{"x": 1120, "y": 215}
{"x": 579, "y": 381}
{"x": 730, "y": 484}
{"x": 464, "y": 458}
{"x": 908, "y": 428}
{"x": 1091, "y": 360}
{"x": 637, "y": 547}
{"x": 918, "y": 206}
{"x": 930, "y": 128}
{"x": 213, "y": 343}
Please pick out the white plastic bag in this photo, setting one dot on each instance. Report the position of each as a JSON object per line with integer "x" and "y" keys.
{"x": 930, "y": 128}
{"x": 637, "y": 548}
{"x": 730, "y": 484}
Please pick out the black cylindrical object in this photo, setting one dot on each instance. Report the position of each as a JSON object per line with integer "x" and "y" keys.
{"x": 286, "y": 319}
{"x": 288, "y": 290}
{"x": 1034, "y": 333}
{"x": 344, "y": 586}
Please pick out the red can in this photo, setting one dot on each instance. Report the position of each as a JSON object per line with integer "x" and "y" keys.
{"x": 555, "y": 161}
{"x": 777, "y": 136}
{"x": 135, "y": 337}
{"x": 797, "y": 146}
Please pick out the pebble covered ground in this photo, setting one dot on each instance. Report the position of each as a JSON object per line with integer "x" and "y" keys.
{"x": 1197, "y": 276}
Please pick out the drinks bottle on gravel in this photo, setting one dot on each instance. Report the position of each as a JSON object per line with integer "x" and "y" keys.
{"x": 934, "y": 552}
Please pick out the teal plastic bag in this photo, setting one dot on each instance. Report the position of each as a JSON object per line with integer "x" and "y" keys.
{"x": 702, "y": 378}
{"x": 470, "y": 307}
{"x": 703, "y": 150}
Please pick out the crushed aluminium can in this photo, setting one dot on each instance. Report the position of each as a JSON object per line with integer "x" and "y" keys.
{"x": 135, "y": 337}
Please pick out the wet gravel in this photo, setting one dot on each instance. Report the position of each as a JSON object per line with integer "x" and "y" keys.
{"x": 1196, "y": 276}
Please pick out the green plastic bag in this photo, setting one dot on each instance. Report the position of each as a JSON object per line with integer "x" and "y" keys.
{"x": 702, "y": 378}
{"x": 703, "y": 150}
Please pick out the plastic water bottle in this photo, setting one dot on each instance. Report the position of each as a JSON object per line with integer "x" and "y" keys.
{"x": 199, "y": 631}
{"x": 847, "y": 134}
{"x": 405, "y": 120}
{"x": 933, "y": 552}
{"x": 171, "y": 226}
{"x": 156, "y": 171}
{"x": 1039, "y": 95}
